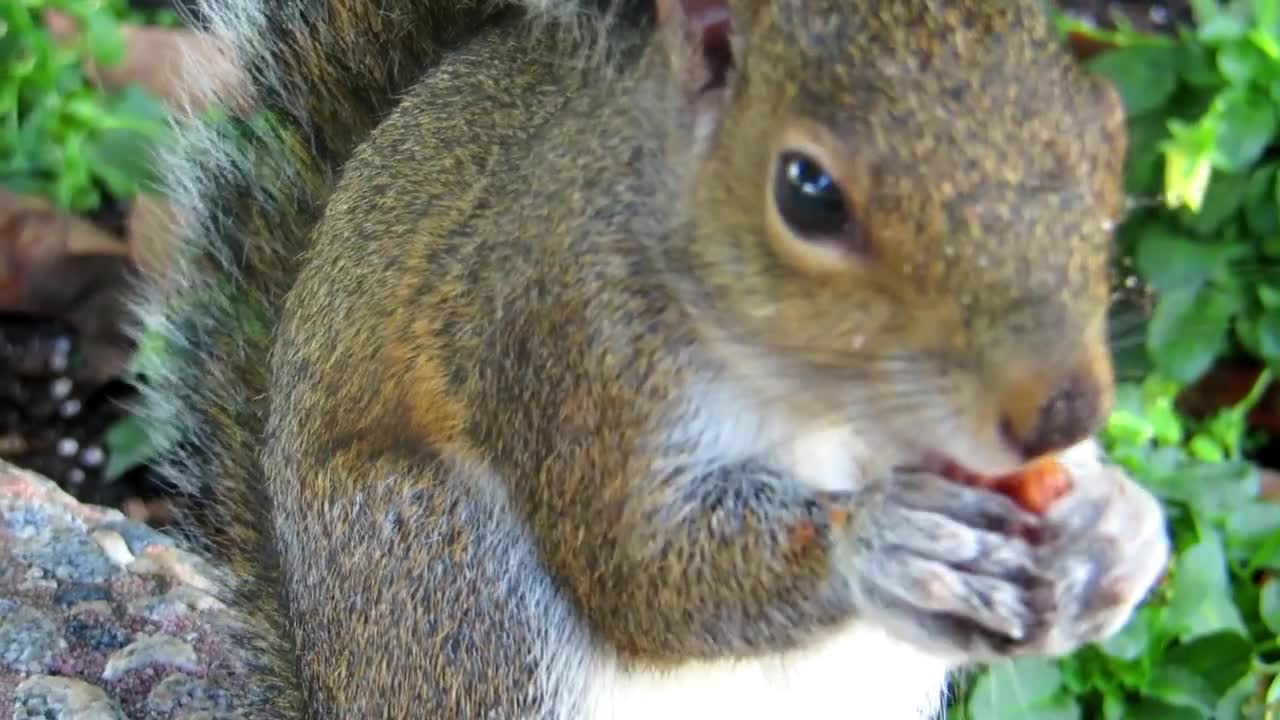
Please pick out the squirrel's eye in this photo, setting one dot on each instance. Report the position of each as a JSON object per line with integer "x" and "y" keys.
{"x": 808, "y": 199}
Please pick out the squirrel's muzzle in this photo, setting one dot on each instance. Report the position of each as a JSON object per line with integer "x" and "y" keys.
{"x": 1050, "y": 406}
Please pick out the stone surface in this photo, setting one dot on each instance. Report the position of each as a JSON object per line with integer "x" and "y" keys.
{"x": 188, "y": 694}
{"x": 103, "y": 618}
{"x": 29, "y": 640}
{"x": 150, "y": 651}
{"x": 45, "y": 696}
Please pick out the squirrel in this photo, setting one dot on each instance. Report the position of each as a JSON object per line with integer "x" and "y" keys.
{"x": 570, "y": 360}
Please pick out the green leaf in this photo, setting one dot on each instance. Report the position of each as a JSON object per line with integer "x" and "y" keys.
{"x": 1188, "y": 330}
{"x": 128, "y": 445}
{"x": 106, "y": 44}
{"x": 1216, "y": 489}
{"x": 1262, "y": 213}
{"x": 1153, "y": 709}
{"x": 1201, "y": 602}
{"x": 1246, "y": 126}
{"x": 1131, "y": 641}
{"x": 1273, "y": 691}
{"x": 1145, "y": 76}
{"x": 1183, "y": 688}
{"x": 1252, "y": 522}
{"x": 123, "y": 160}
{"x": 1216, "y": 26}
{"x": 1219, "y": 658}
{"x": 1223, "y": 197}
{"x": 1269, "y": 605}
{"x": 1113, "y": 707}
{"x": 1268, "y": 329}
{"x": 1244, "y": 63}
{"x": 1015, "y": 690}
{"x": 1232, "y": 702}
{"x": 1171, "y": 261}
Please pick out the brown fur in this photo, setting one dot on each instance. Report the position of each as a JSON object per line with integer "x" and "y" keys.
{"x": 484, "y": 460}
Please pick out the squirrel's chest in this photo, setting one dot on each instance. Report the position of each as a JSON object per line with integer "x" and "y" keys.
{"x": 858, "y": 673}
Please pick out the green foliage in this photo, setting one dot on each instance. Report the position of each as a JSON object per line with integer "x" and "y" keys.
{"x": 60, "y": 137}
{"x": 1204, "y": 110}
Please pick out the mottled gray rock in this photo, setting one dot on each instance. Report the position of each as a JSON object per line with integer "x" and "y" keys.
{"x": 76, "y": 558}
{"x": 74, "y": 593}
{"x": 44, "y": 697}
{"x": 147, "y": 652}
{"x": 113, "y": 546}
{"x": 188, "y": 694}
{"x": 177, "y": 603}
{"x": 96, "y": 633}
{"x": 139, "y": 536}
{"x": 29, "y": 640}
{"x": 95, "y": 606}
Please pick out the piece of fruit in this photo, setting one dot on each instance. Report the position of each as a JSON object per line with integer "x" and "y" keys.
{"x": 1035, "y": 487}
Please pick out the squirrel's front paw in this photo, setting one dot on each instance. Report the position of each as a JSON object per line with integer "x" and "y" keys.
{"x": 967, "y": 572}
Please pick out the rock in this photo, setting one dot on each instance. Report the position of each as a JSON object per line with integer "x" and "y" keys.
{"x": 97, "y": 633}
{"x": 138, "y": 536}
{"x": 44, "y": 697}
{"x": 113, "y": 546}
{"x": 150, "y": 651}
{"x": 77, "y": 627}
{"x": 29, "y": 640}
{"x": 174, "y": 563}
{"x": 76, "y": 559}
{"x": 178, "y": 602}
{"x": 191, "y": 695}
{"x": 72, "y": 593}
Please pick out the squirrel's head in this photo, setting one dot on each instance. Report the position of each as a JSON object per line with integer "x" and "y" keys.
{"x": 908, "y": 208}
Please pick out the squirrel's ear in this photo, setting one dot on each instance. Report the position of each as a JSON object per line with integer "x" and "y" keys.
{"x": 697, "y": 35}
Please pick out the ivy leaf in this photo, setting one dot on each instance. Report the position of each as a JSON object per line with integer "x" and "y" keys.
{"x": 1269, "y": 605}
{"x": 1170, "y": 261}
{"x": 1224, "y": 195}
{"x": 103, "y": 35}
{"x": 1144, "y": 75}
{"x": 1245, "y": 129}
{"x": 1153, "y": 709}
{"x": 1183, "y": 688}
{"x": 1216, "y": 489}
{"x": 1018, "y": 690}
{"x": 1131, "y": 641}
{"x": 1234, "y": 699}
{"x": 1242, "y": 63}
{"x": 122, "y": 159}
{"x": 1262, "y": 213}
{"x": 1219, "y": 658}
{"x": 129, "y": 445}
{"x": 1268, "y": 329}
{"x": 1188, "y": 330}
{"x": 1201, "y": 602}
{"x": 1252, "y": 522}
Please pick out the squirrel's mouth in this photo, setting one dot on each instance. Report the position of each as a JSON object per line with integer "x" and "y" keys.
{"x": 941, "y": 465}
{"x": 946, "y": 467}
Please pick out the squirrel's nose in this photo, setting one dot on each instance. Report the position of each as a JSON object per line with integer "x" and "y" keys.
{"x": 1039, "y": 418}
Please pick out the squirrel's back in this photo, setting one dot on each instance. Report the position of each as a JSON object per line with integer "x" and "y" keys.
{"x": 249, "y": 186}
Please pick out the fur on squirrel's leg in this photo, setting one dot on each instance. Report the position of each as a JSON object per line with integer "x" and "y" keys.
{"x": 457, "y": 619}
{"x": 735, "y": 562}
{"x": 734, "y": 601}
{"x": 974, "y": 576}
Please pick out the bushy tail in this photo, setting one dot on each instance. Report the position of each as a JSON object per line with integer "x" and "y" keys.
{"x": 318, "y": 75}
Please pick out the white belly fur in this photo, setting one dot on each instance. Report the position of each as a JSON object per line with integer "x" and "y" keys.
{"x": 860, "y": 673}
